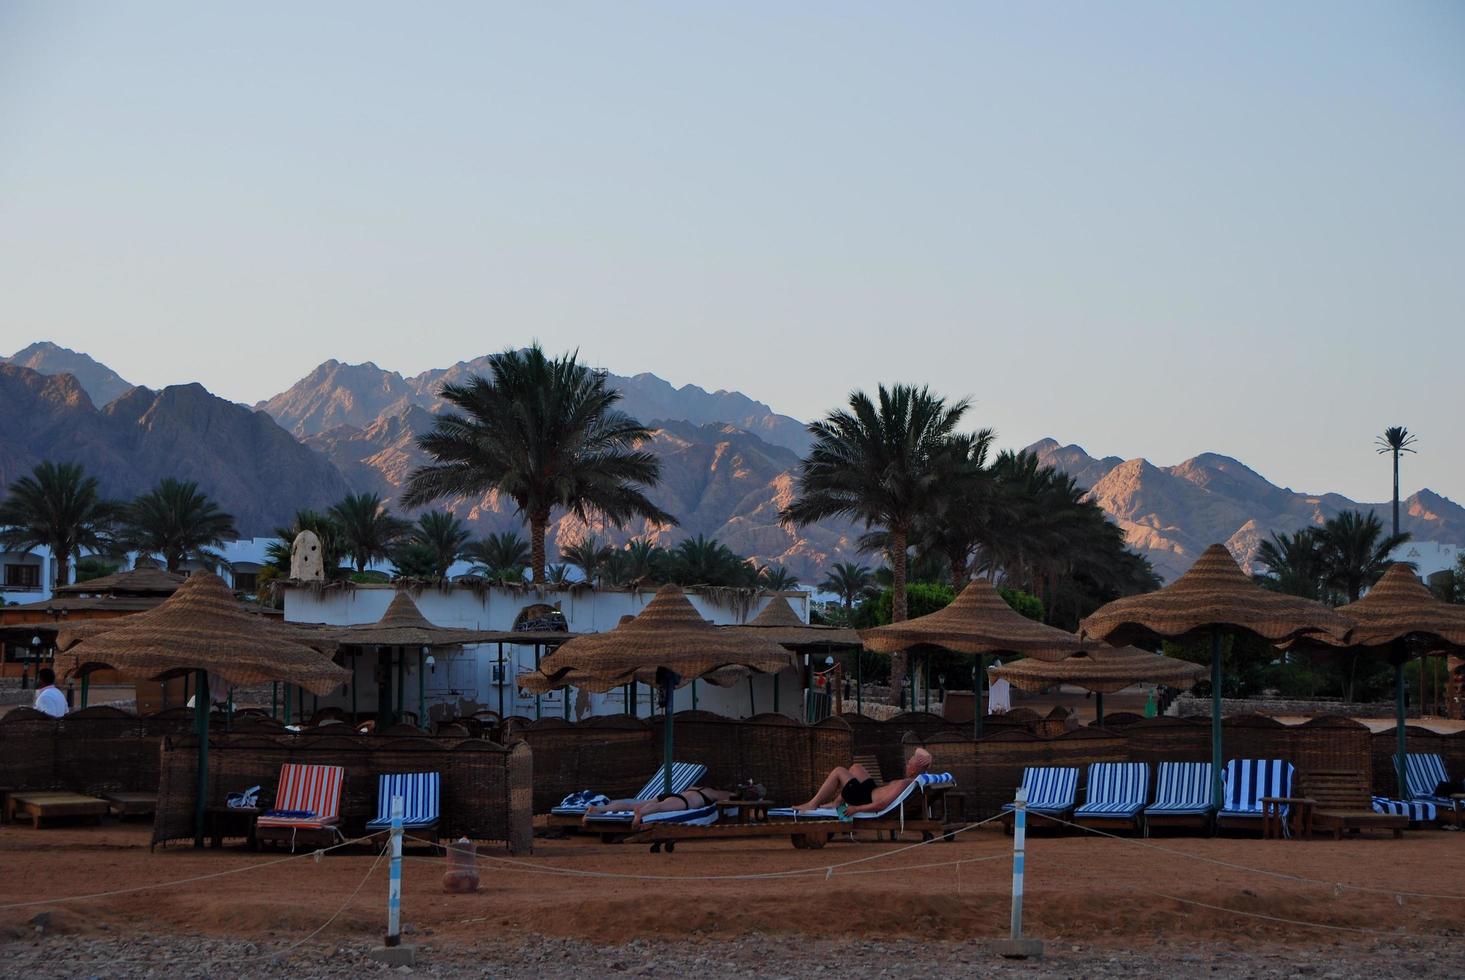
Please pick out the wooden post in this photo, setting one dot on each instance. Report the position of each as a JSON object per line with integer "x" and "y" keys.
{"x": 201, "y": 726}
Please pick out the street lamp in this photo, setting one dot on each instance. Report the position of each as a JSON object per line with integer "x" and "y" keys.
{"x": 25, "y": 670}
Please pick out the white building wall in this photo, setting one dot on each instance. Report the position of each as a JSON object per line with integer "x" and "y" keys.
{"x": 474, "y": 672}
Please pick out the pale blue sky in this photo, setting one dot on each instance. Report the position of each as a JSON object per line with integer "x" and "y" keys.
{"x": 1152, "y": 229}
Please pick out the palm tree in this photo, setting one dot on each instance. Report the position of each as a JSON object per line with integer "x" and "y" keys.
{"x": 1395, "y": 440}
{"x": 368, "y": 529}
{"x": 1294, "y": 563}
{"x": 558, "y": 574}
{"x": 544, "y": 433}
{"x": 502, "y": 556}
{"x": 589, "y": 555}
{"x": 435, "y": 543}
{"x": 776, "y": 578}
{"x": 848, "y": 581}
{"x": 176, "y": 521}
{"x": 57, "y": 507}
{"x": 1355, "y": 552}
{"x": 707, "y": 561}
{"x": 639, "y": 561}
{"x": 967, "y": 511}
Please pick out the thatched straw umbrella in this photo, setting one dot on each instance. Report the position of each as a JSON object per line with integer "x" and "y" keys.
{"x": 666, "y": 643}
{"x": 203, "y": 630}
{"x": 1398, "y": 613}
{"x": 1103, "y": 671}
{"x": 980, "y": 622}
{"x": 402, "y": 627}
{"x": 1213, "y": 598}
{"x": 778, "y": 622}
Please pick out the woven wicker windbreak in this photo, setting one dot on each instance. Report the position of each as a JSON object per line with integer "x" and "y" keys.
{"x": 403, "y": 625}
{"x": 1104, "y": 671}
{"x": 667, "y": 633}
{"x": 1214, "y": 594}
{"x": 136, "y": 581}
{"x": 979, "y": 621}
{"x": 202, "y": 627}
{"x": 779, "y": 623}
{"x": 1399, "y": 606}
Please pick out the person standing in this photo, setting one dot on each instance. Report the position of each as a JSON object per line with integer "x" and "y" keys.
{"x": 49, "y": 699}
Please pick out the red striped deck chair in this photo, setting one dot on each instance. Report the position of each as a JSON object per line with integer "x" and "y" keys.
{"x": 307, "y": 806}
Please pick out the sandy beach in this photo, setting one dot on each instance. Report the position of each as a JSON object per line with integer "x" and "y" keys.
{"x": 577, "y": 905}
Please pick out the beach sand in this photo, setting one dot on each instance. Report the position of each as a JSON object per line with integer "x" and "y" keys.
{"x": 1095, "y": 902}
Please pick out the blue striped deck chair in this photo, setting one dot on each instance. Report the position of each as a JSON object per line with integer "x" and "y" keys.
{"x": 925, "y": 782}
{"x": 1052, "y": 791}
{"x": 1416, "y": 811}
{"x": 419, "y": 791}
{"x": 1183, "y": 795}
{"x": 1423, "y": 773}
{"x": 1246, "y": 781}
{"x": 1116, "y": 793}
{"x": 684, "y": 775}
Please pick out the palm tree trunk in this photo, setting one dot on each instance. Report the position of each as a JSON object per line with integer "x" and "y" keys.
{"x": 897, "y": 605}
{"x": 537, "y": 525}
{"x": 1396, "y": 493}
{"x": 62, "y": 565}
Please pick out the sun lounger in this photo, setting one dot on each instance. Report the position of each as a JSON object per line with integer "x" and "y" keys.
{"x": 1423, "y": 772}
{"x": 1116, "y": 793}
{"x": 47, "y": 805}
{"x": 1183, "y": 796}
{"x": 1341, "y": 802}
{"x": 684, "y": 775}
{"x": 307, "y": 806}
{"x": 132, "y": 804}
{"x": 1052, "y": 792}
{"x": 913, "y": 809}
{"x": 1415, "y": 812}
{"x": 1245, "y": 783}
{"x": 419, "y": 792}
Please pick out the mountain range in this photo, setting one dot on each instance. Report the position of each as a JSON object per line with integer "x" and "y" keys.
{"x": 727, "y": 461}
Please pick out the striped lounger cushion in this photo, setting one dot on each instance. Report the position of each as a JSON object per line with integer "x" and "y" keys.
{"x": 923, "y": 782}
{"x": 314, "y": 790}
{"x": 1182, "y": 789}
{"x": 1116, "y": 789}
{"x": 1423, "y": 773}
{"x": 702, "y": 816}
{"x": 419, "y": 793}
{"x": 1246, "y": 781}
{"x": 1416, "y": 811}
{"x": 684, "y": 775}
{"x": 1051, "y": 789}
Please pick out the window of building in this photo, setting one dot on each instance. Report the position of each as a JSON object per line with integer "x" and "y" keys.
{"x": 246, "y": 581}
{"x": 22, "y": 576}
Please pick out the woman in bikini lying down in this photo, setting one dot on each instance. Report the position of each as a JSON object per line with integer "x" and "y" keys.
{"x": 692, "y": 798}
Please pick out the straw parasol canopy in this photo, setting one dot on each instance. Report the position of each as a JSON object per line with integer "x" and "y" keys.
{"x": 1215, "y": 594}
{"x": 667, "y": 633}
{"x": 202, "y": 627}
{"x": 778, "y": 622}
{"x": 144, "y": 580}
{"x": 1400, "y": 607}
{"x": 979, "y": 621}
{"x": 403, "y": 625}
{"x": 1103, "y": 671}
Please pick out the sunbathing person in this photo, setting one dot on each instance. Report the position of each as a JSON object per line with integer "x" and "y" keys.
{"x": 855, "y": 788}
{"x": 691, "y": 798}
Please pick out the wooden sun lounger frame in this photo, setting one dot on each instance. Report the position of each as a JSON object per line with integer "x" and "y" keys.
{"x": 42, "y": 805}
{"x": 1342, "y": 802}
{"x": 919, "y": 809}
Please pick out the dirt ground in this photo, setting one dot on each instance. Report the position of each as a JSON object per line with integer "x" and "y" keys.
{"x": 1102, "y": 907}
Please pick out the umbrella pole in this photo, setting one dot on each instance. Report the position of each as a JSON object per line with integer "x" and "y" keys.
{"x": 979, "y": 681}
{"x": 775, "y": 691}
{"x": 566, "y": 699}
{"x": 1216, "y": 717}
{"x": 753, "y": 705}
{"x": 201, "y": 725}
{"x": 1400, "y": 759}
{"x": 667, "y": 746}
{"x": 401, "y": 682}
{"x": 1099, "y": 707}
{"x": 694, "y": 694}
{"x": 859, "y": 683}
{"x": 85, "y": 682}
{"x": 274, "y": 699}
{"x": 537, "y": 707}
{"x": 354, "y": 667}
{"x": 421, "y": 691}
{"x": 501, "y": 680}
{"x": 926, "y": 681}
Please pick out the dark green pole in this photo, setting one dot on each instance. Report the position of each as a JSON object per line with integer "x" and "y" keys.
{"x": 752, "y": 704}
{"x": 1400, "y": 762}
{"x": 775, "y": 690}
{"x": 201, "y": 726}
{"x": 383, "y": 687}
{"x": 566, "y": 700}
{"x": 979, "y": 678}
{"x": 401, "y": 682}
{"x": 859, "y": 682}
{"x": 926, "y": 682}
{"x": 1099, "y": 707}
{"x": 421, "y": 690}
{"x": 274, "y": 699}
{"x": 354, "y": 667}
{"x": 286, "y": 700}
{"x": 667, "y": 740}
{"x": 694, "y": 694}
{"x": 501, "y": 680}
{"x": 537, "y": 709}
{"x": 910, "y": 669}
{"x": 1216, "y": 717}
{"x": 86, "y": 680}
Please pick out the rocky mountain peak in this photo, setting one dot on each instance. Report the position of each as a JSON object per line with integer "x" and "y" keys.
{"x": 102, "y": 384}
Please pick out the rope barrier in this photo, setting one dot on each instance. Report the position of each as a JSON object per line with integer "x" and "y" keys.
{"x": 1432, "y": 937}
{"x": 335, "y": 915}
{"x": 1261, "y": 871}
{"x": 315, "y": 854}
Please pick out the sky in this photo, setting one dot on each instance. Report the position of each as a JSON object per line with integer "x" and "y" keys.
{"x": 1153, "y": 229}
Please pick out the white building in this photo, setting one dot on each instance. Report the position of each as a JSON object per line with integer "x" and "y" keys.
{"x": 474, "y": 672}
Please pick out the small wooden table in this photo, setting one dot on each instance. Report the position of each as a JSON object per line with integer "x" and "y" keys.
{"x": 50, "y": 805}
{"x": 231, "y": 821}
{"x": 746, "y": 811}
{"x": 1273, "y": 823}
{"x": 132, "y": 804}
{"x": 1457, "y": 815}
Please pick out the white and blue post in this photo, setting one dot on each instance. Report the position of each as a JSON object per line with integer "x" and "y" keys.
{"x": 1016, "y": 947}
{"x": 394, "y": 887}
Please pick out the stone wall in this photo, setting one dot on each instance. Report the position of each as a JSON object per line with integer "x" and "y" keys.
{"x": 1189, "y": 707}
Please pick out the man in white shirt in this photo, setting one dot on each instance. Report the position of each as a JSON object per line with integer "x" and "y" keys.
{"x": 48, "y": 699}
